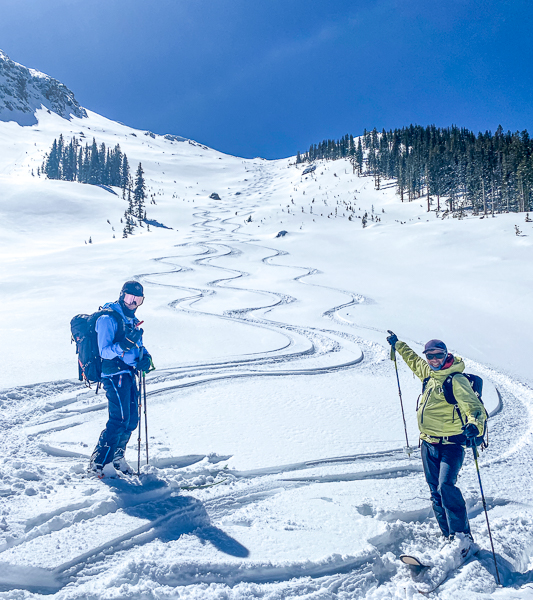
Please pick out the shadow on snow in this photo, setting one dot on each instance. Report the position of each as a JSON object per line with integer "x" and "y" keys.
{"x": 168, "y": 519}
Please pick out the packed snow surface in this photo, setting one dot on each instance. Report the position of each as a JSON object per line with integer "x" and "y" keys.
{"x": 273, "y": 379}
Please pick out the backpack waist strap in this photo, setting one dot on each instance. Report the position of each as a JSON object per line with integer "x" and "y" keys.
{"x": 115, "y": 365}
{"x": 453, "y": 439}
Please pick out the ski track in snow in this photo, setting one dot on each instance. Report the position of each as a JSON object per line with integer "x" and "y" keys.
{"x": 54, "y": 406}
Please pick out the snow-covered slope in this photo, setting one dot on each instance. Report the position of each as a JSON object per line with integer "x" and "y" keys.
{"x": 273, "y": 378}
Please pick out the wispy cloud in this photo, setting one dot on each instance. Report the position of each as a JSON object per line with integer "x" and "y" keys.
{"x": 291, "y": 49}
{"x": 274, "y": 56}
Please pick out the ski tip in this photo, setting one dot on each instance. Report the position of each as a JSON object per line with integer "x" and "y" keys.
{"x": 412, "y": 561}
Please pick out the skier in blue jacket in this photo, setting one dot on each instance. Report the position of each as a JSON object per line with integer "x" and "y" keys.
{"x": 122, "y": 356}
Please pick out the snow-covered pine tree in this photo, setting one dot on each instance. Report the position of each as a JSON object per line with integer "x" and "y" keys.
{"x": 139, "y": 192}
{"x": 131, "y": 208}
{"x": 124, "y": 175}
{"x": 359, "y": 156}
{"x": 94, "y": 165}
{"x": 51, "y": 165}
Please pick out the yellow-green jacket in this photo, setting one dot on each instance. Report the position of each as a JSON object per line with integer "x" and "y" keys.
{"x": 437, "y": 418}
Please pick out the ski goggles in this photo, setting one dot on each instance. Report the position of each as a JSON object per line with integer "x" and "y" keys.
{"x": 436, "y": 356}
{"x": 131, "y": 299}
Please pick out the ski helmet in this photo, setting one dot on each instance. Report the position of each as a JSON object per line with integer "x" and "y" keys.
{"x": 131, "y": 287}
{"x": 435, "y": 345}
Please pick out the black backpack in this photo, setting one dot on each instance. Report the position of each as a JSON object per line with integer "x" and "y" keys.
{"x": 476, "y": 383}
{"x": 84, "y": 334}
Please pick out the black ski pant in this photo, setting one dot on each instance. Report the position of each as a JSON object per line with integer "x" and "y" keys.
{"x": 122, "y": 395}
{"x": 442, "y": 463}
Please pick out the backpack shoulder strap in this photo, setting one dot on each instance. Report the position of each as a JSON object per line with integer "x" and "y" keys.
{"x": 109, "y": 312}
{"x": 121, "y": 324}
{"x": 475, "y": 382}
{"x": 447, "y": 388}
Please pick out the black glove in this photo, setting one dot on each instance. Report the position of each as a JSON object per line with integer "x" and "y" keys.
{"x": 392, "y": 339}
{"x": 471, "y": 433}
{"x": 131, "y": 339}
{"x": 144, "y": 363}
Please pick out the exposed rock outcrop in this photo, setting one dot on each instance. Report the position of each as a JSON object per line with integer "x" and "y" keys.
{"x": 23, "y": 91}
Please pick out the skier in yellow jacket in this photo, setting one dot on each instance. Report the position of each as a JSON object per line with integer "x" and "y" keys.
{"x": 444, "y": 431}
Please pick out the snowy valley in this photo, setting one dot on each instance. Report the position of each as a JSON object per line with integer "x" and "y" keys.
{"x": 274, "y": 394}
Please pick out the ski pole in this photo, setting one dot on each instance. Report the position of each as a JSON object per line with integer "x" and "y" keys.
{"x": 145, "y": 414}
{"x": 139, "y": 414}
{"x": 393, "y": 358}
{"x": 474, "y": 450}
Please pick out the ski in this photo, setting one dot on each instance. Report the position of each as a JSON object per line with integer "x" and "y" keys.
{"x": 437, "y": 584}
{"x": 103, "y": 476}
{"x": 201, "y": 487}
{"x": 430, "y": 574}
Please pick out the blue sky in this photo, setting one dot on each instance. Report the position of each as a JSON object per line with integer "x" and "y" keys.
{"x": 269, "y": 77}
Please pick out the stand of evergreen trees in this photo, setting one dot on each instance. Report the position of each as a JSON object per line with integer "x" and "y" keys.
{"x": 99, "y": 166}
{"x": 454, "y": 168}
{"x": 87, "y": 164}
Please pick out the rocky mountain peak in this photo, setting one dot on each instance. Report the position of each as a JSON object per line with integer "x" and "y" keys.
{"x": 23, "y": 91}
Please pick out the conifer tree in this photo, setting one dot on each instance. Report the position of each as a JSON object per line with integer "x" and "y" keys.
{"x": 359, "y": 156}
{"x": 131, "y": 208}
{"x": 125, "y": 173}
{"x": 139, "y": 193}
{"x": 94, "y": 175}
{"x": 51, "y": 166}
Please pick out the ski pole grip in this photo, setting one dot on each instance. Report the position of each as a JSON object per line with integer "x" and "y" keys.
{"x": 392, "y": 348}
{"x": 141, "y": 352}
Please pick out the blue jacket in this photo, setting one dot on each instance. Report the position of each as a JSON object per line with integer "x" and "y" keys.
{"x": 106, "y": 330}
